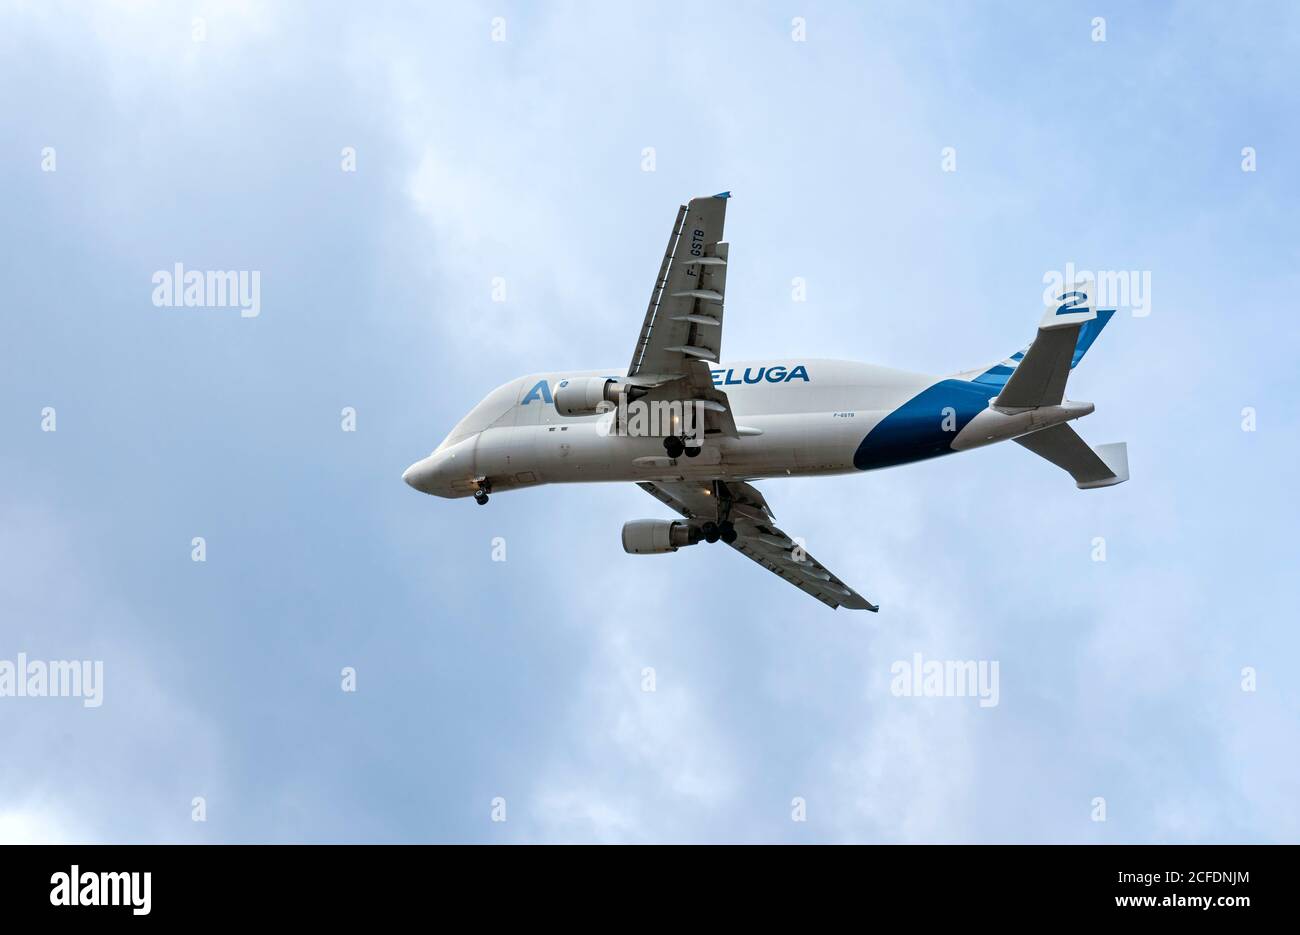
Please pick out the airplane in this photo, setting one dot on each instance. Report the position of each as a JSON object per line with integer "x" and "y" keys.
{"x": 720, "y": 427}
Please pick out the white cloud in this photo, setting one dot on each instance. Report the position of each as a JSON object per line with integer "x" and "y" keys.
{"x": 33, "y": 824}
{"x": 133, "y": 763}
{"x": 637, "y": 764}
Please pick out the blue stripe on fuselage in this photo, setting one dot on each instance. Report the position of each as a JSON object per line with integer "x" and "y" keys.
{"x": 922, "y": 427}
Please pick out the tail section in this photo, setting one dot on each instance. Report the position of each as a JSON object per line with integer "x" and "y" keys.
{"x": 1031, "y": 384}
{"x": 999, "y": 374}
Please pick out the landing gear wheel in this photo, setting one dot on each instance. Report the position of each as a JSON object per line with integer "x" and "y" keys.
{"x": 710, "y": 531}
{"x": 481, "y": 497}
{"x": 727, "y": 532}
{"x": 673, "y": 446}
{"x": 693, "y": 451}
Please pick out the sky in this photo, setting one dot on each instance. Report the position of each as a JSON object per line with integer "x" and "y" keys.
{"x": 918, "y": 167}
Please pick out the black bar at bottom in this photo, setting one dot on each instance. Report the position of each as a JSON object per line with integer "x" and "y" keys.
{"x": 1222, "y": 883}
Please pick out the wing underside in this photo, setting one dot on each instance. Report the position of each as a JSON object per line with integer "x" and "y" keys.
{"x": 758, "y": 537}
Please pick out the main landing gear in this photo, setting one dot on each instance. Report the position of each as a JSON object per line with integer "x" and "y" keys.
{"x": 481, "y": 495}
{"x": 714, "y": 531}
{"x": 675, "y": 447}
{"x": 723, "y": 529}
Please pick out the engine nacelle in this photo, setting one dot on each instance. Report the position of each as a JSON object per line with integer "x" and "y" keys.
{"x": 583, "y": 396}
{"x": 656, "y": 536}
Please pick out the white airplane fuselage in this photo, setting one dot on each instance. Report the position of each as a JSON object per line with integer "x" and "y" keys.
{"x": 795, "y": 417}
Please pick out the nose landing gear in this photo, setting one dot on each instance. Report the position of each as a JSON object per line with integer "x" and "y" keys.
{"x": 481, "y": 495}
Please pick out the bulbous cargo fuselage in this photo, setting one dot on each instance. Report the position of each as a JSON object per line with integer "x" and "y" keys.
{"x": 794, "y": 417}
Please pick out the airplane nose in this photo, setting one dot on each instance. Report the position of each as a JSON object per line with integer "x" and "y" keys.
{"x": 448, "y": 472}
{"x": 420, "y": 475}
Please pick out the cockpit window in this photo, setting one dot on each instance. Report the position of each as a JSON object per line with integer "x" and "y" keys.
{"x": 495, "y": 408}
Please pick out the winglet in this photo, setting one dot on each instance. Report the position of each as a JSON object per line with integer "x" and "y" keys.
{"x": 1115, "y": 457}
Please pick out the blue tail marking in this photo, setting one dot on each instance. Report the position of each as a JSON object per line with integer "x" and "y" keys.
{"x": 997, "y": 375}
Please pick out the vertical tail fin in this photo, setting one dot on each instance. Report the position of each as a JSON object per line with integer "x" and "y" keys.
{"x": 1072, "y": 317}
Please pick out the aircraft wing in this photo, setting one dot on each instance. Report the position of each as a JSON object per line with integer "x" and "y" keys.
{"x": 758, "y": 537}
{"x": 683, "y": 322}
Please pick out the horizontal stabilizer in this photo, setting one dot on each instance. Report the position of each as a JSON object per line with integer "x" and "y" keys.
{"x": 1103, "y": 466}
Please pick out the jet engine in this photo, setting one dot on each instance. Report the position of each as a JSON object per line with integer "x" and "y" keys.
{"x": 655, "y": 536}
{"x": 583, "y": 396}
